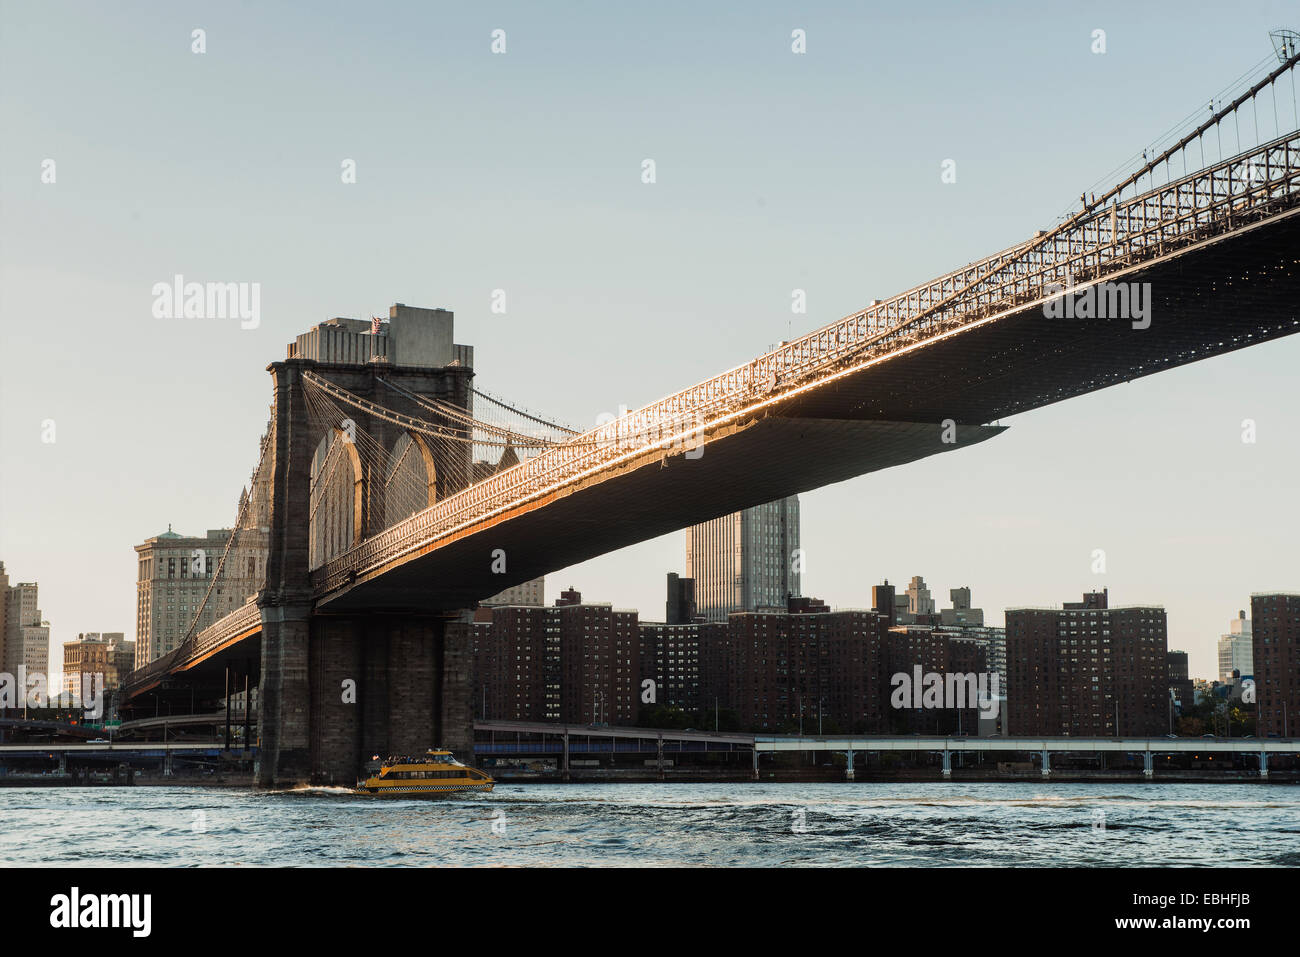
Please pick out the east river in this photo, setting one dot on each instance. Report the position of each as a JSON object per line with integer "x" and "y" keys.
{"x": 747, "y": 824}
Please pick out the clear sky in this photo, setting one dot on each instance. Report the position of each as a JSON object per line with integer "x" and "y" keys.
{"x": 522, "y": 171}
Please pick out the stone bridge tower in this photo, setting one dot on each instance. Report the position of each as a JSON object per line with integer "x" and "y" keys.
{"x": 338, "y": 689}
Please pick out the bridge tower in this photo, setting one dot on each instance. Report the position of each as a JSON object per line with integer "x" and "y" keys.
{"x": 338, "y": 688}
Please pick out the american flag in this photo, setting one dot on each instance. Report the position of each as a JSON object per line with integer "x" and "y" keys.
{"x": 374, "y": 325}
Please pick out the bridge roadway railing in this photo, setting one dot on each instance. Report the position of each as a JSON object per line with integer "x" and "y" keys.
{"x": 221, "y": 630}
{"x": 1229, "y": 195}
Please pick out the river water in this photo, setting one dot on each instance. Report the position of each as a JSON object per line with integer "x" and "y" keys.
{"x": 751, "y": 824}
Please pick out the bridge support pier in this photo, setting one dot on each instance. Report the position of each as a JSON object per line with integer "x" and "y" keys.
{"x": 390, "y": 684}
{"x": 285, "y": 757}
{"x": 1046, "y": 763}
{"x": 1148, "y": 765}
{"x": 947, "y": 765}
{"x": 848, "y": 770}
{"x": 755, "y": 753}
{"x": 1263, "y": 765}
{"x": 564, "y": 775}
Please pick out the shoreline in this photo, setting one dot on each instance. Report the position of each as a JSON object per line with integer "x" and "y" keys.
{"x": 920, "y": 776}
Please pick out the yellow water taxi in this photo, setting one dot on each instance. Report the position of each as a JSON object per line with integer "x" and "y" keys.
{"x": 430, "y": 774}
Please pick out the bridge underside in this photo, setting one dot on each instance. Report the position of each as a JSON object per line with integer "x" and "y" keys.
{"x": 201, "y": 684}
{"x": 1221, "y": 295}
{"x": 741, "y": 465}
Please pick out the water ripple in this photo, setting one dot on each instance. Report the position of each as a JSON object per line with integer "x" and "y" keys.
{"x": 750, "y": 824}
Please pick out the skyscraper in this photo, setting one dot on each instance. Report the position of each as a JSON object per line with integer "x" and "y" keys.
{"x": 1237, "y": 649}
{"x": 531, "y": 592}
{"x": 919, "y": 601}
{"x": 175, "y": 573}
{"x": 26, "y": 636}
{"x": 746, "y": 560}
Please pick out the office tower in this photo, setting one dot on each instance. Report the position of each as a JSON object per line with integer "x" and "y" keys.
{"x": 679, "y": 606}
{"x": 746, "y": 560}
{"x": 26, "y": 634}
{"x": 4, "y": 615}
{"x": 528, "y": 593}
{"x": 919, "y": 601}
{"x": 174, "y": 573}
{"x": 106, "y": 653}
{"x": 884, "y": 602}
{"x": 1237, "y": 649}
{"x": 1275, "y": 620}
{"x": 1087, "y": 669}
{"x": 1180, "y": 683}
{"x": 961, "y": 613}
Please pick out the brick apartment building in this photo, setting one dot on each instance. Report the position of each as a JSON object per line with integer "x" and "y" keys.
{"x": 1087, "y": 669}
{"x": 1275, "y": 620}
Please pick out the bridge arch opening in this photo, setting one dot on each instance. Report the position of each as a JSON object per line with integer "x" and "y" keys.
{"x": 337, "y": 491}
{"x": 410, "y": 479}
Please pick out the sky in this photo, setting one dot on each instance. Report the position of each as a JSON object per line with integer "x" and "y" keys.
{"x": 522, "y": 171}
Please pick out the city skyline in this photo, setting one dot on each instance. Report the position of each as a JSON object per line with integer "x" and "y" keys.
{"x": 1154, "y": 472}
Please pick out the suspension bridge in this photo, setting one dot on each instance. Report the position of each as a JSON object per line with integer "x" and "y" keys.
{"x": 392, "y": 493}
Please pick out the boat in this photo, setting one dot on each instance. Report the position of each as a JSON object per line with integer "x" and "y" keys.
{"x": 434, "y": 773}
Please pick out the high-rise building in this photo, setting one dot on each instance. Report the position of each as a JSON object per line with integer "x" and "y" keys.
{"x": 1087, "y": 669}
{"x": 531, "y": 593}
{"x": 574, "y": 661}
{"x": 919, "y": 601}
{"x": 933, "y": 650}
{"x": 961, "y": 613}
{"x": 600, "y": 660}
{"x": 1237, "y": 649}
{"x": 1275, "y": 620}
{"x": 1181, "y": 689}
{"x": 885, "y": 603}
{"x": 679, "y": 607}
{"x": 105, "y": 653}
{"x": 803, "y": 666}
{"x": 4, "y": 614}
{"x": 517, "y": 663}
{"x": 670, "y": 657}
{"x": 173, "y": 578}
{"x": 26, "y": 634}
{"x": 746, "y": 560}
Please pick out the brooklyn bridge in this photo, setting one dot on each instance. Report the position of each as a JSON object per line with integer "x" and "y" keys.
{"x": 393, "y": 492}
